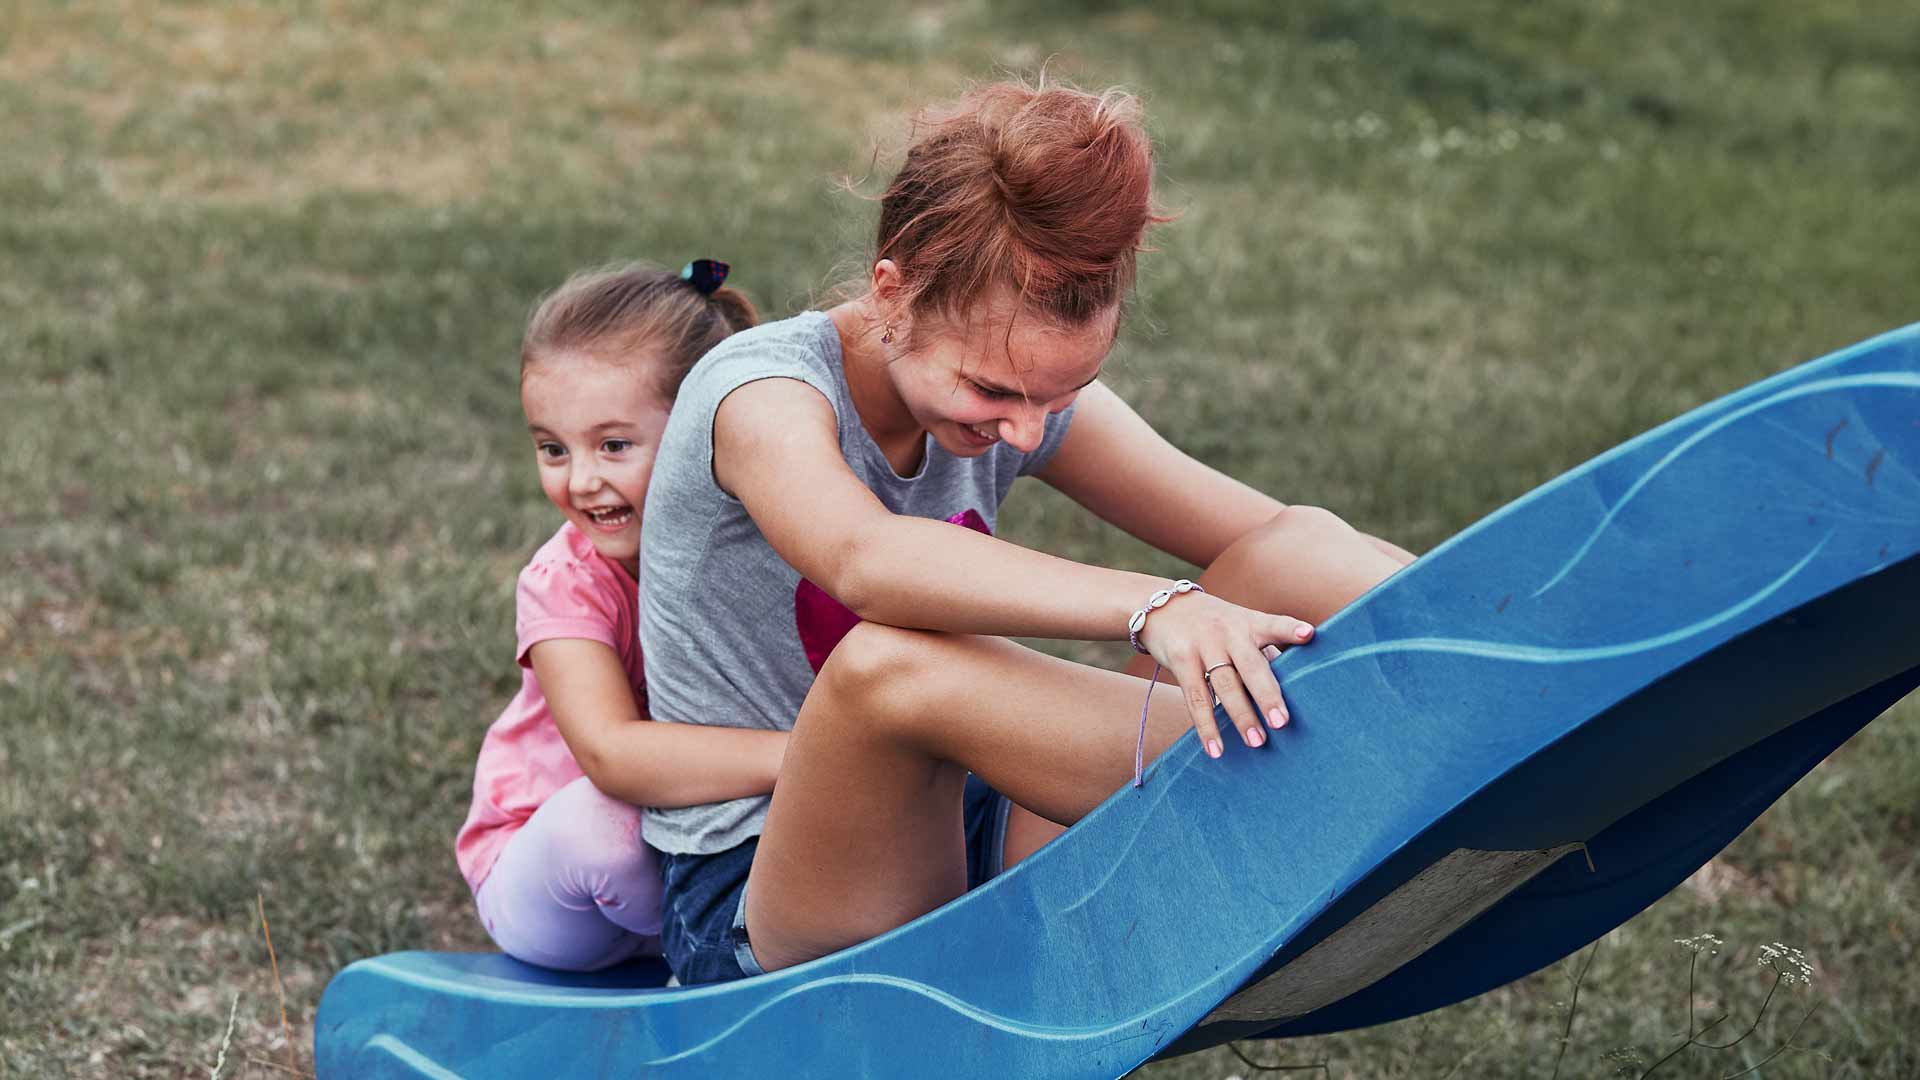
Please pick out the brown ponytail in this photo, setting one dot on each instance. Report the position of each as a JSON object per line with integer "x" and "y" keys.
{"x": 734, "y": 308}
{"x": 623, "y": 312}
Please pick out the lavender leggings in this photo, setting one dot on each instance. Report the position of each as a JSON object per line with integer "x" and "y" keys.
{"x": 576, "y": 888}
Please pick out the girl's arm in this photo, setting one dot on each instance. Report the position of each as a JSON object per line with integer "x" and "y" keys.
{"x": 630, "y": 757}
{"x": 1113, "y": 463}
{"x": 776, "y": 449}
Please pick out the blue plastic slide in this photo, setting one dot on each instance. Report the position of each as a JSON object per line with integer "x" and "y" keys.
{"x": 1498, "y": 755}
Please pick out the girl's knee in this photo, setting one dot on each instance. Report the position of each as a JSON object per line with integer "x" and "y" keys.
{"x": 1298, "y": 522}
{"x": 876, "y": 666}
{"x": 594, "y": 830}
{"x": 1291, "y": 531}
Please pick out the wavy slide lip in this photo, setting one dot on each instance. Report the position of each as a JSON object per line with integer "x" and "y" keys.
{"x": 1486, "y": 699}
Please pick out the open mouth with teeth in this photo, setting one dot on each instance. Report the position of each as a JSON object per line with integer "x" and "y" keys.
{"x": 984, "y": 438}
{"x": 611, "y": 517}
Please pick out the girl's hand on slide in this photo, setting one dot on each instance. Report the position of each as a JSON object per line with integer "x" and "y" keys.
{"x": 1215, "y": 648}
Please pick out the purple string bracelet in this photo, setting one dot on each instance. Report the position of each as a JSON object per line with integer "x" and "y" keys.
{"x": 1140, "y": 744}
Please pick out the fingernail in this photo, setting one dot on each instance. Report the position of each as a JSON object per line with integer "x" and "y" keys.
{"x": 1255, "y": 736}
{"x": 1213, "y": 748}
{"x": 1276, "y": 718}
{"x": 1303, "y": 633}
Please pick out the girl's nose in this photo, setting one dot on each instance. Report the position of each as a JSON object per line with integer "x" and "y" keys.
{"x": 583, "y": 479}
{"x": 1023, "y": 432}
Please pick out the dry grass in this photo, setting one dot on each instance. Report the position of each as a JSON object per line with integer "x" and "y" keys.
{"x": 357, "y": 98}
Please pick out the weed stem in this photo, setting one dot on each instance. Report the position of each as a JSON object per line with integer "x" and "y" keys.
{"x": 1573, "y": 1006}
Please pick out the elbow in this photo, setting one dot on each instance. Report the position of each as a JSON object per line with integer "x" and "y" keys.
{"x": 593, "y": 763}
{"x": 596, "y": 762}
{"x": 850, "y": 579}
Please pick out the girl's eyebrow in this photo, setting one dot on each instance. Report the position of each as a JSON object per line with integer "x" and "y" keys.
{"x": 603, "y": 425}
{"x": 996, "y": 388}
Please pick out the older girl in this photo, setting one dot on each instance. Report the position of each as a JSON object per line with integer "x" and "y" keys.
{"x": 813, "y": 475}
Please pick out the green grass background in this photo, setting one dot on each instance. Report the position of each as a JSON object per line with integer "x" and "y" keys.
{"x": 263, "y": 491}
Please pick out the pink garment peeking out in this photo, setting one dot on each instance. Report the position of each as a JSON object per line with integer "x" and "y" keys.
{"x": 823, "y": 621}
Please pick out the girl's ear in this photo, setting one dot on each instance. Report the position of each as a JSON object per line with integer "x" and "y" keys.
{"x": 887, "y": 283}
{"x": 886, "y": 302}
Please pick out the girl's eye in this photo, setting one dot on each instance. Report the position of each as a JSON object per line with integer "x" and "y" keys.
{"x": 615, "y": 446}
{"x": 549, "y": 450}
{"x": 988, "y": 393}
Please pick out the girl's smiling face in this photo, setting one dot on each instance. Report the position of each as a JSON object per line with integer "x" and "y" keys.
{"x": 998, "y": 379}
{"x": 596, "y": 427}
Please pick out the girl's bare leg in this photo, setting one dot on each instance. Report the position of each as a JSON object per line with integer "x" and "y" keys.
{"x": 864, "y": 833}
{"x": 1391, "y": 550}
{"x": 1027, "y": 832}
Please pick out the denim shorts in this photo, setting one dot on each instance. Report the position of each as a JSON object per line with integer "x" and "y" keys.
{"x": 703, "y": 927}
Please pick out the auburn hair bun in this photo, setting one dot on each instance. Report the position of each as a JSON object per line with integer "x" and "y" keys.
{"x": 1046, "y": 190}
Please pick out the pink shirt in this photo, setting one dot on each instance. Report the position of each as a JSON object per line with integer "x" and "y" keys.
{"x": 568, "y": 590}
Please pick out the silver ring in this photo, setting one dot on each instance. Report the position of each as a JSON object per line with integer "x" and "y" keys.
{"x": 1207, "y": 677}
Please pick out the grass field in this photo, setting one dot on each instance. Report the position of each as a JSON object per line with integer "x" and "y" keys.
{"x": 264, "y": 486}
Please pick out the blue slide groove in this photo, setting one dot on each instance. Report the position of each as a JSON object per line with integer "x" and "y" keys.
{"x": 1506, "y": 750}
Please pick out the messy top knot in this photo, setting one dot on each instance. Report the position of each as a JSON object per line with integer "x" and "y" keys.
{"x": 1046, "y": 190}
{"x": 619, "y": 312}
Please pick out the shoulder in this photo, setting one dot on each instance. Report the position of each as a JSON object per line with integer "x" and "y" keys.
{"x": 567, "y": 590}
{"x": 805, "y": 347}
{"x": 559, "y": 554}
{"x": 568, "y": 564}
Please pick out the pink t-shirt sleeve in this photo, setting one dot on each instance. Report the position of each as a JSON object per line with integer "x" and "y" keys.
{"x": 558, "y": 598}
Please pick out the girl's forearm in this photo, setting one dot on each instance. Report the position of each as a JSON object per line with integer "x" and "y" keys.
{"x": 932, "y": 575}
{"x": 649, "y": 763}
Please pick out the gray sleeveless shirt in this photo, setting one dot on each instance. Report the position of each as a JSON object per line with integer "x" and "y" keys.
{"x": 726, "y": 627}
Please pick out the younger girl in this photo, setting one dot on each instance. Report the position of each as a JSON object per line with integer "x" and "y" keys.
{"x": 551, "y": 846}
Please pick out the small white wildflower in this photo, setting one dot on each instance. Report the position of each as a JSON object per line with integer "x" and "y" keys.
{"x": 1790, "y": 963}
{"x": 1626, "y": 1061}
{"x": 1706, "y": 943}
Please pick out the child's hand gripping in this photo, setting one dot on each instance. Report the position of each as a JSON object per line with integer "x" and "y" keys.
{"x": 1216, "y": 649}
